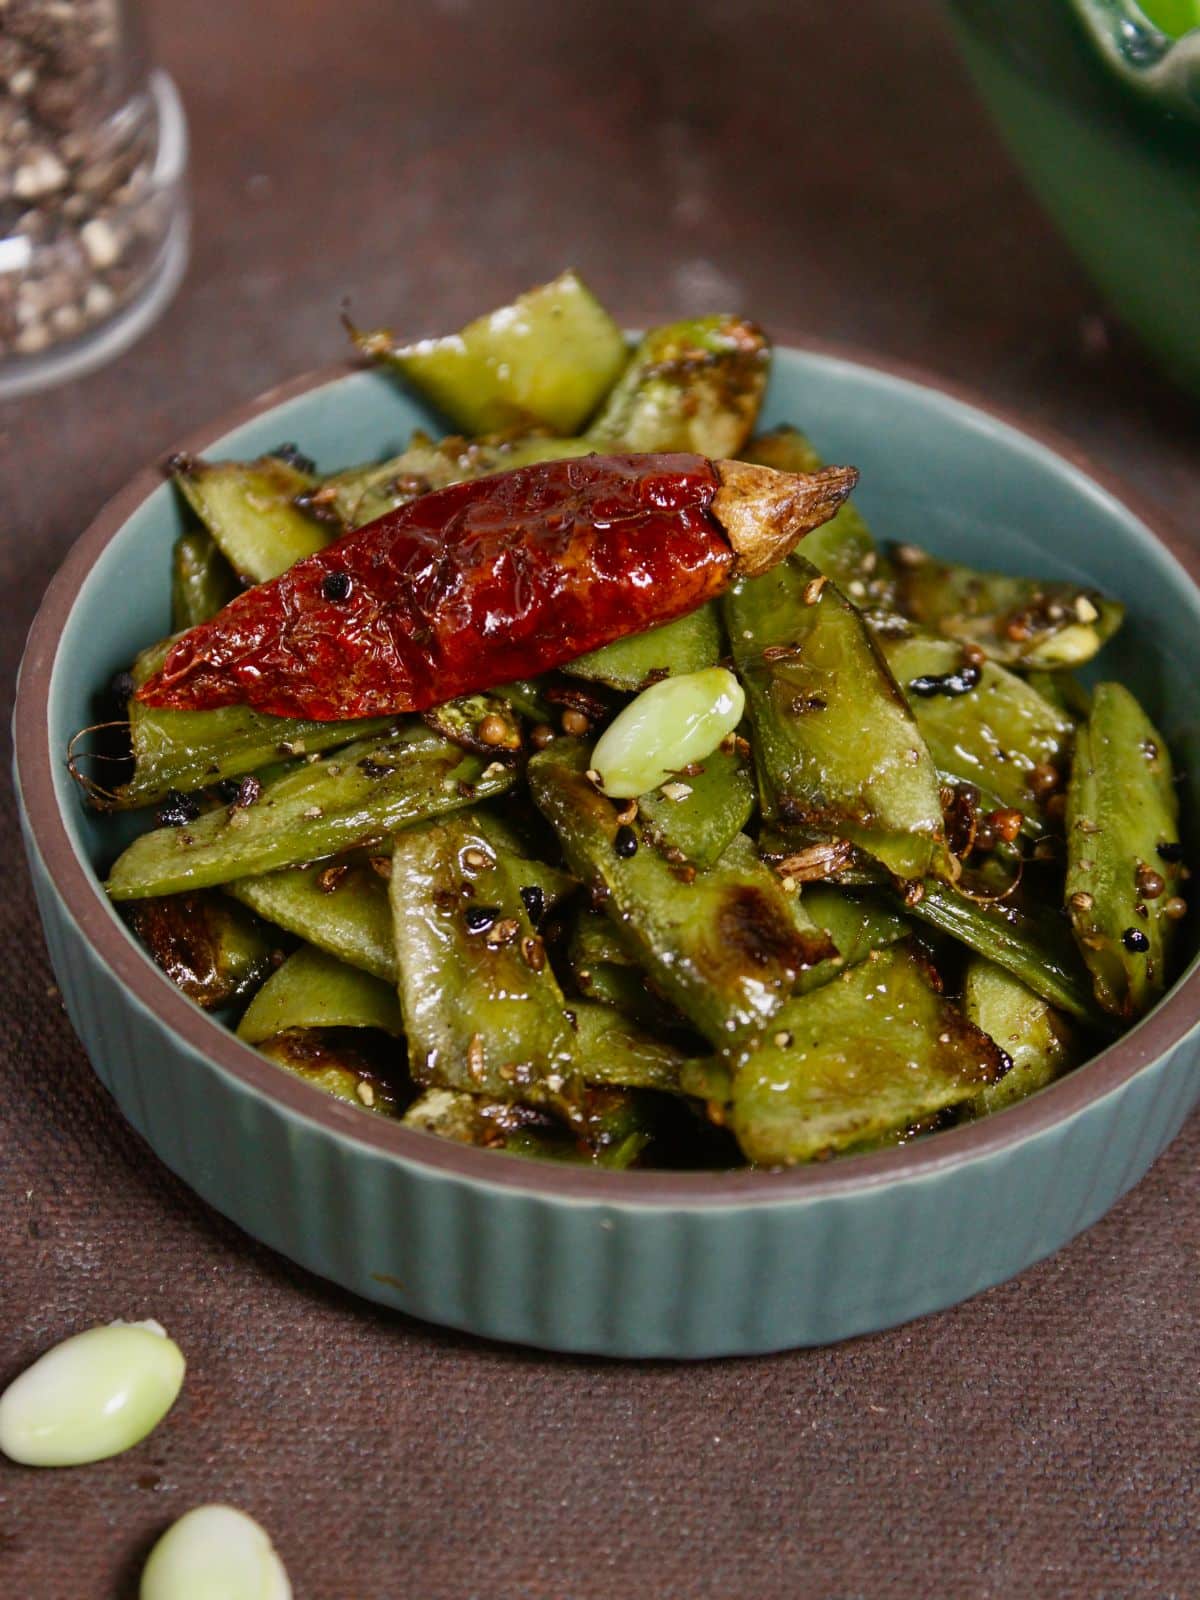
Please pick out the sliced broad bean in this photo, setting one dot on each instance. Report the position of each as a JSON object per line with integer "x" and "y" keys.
{"x": 321, "y": 808}
{"x": 669, "y": 726}
{"x": 92, "y": 1396}
{"x": 857, "y": 924}
{"x": 213, "y": 950}
{"x": 690, "y": 386}
{"x": 1124, "y": 858}
{"x": 482, "y": 1007}
{"x": 341, "y": 908}
{"x": 719, "y": 943}
{"x": 1023, "y": 622}
{"x": 202, "y": 581}
{"x": 838, "y": 754}
{"x": 982, "y": 724}
{"x": 214, "y": 1553}
{"x": 688, "y": 644}
{"x": 315, "y": 990}
{"x": 548, "y": 358}
{"x": 1033, "y": 943}
{"x": 1039, "y": 1041}
{"x": 250, "y": 509}
{"x": 856, "y": 1060}
{"x": 341, "y": 1063}
{"x": 700, "y": 813}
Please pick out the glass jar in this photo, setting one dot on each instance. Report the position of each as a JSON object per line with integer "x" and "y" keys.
{"x": 93, "y": 209}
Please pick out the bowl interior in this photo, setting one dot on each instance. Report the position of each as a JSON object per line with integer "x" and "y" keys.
{"x": 935, "y": 471}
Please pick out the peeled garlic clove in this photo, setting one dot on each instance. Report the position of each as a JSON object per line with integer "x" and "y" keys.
{"x": 214, "y": 1553}
{"x": 668, "y": 726}
{"x": 92, "y": 1396}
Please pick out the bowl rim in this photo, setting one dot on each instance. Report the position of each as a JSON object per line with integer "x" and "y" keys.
{"x": 1171, "y": 1021}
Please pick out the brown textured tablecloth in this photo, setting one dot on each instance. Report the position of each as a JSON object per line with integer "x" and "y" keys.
{"x": 824, "y": 168}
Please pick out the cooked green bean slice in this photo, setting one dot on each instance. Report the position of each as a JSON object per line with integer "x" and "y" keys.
{"x": 837, "y": 750}
{"x": 202, "y": 581}
{"x": 250, "y": 509}
{"x": 622, "y": 1124}
{"x": 336, "y": 1062}
{"x": 690, "y": 386}
{"x": 857, "y": 924}
{"x": 689, "y": 644}
{"x": 186, "y": 750}
{"x": 719, "y": 943}
{"x": 605, "y": 972}
{"x": 1034, "y": 945}
{"x": 1064, "y": 690}
{"x": 320, "y": 808}
{"x": 856, "y": 1060}
{"x": 314, "y": 990}
{"x": 1039, "y": 1041}
{"x": 981, "y": 723}
{"x": 1020, "y": 622}
{"x": 480, "y": 722}
{"x": 615, "y": 1052}
{"x": 548, "y": 358}
{"x": 482, "y": 1008}
{"x": 341, "y": 907}
{"x": 841, "y": 548}
{"x": 700, "y": 814}
{"x": 1123, "y": 853}
{"x": 214, "y": 951}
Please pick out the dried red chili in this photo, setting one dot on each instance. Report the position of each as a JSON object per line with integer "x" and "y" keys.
{"x": 491, "y": 580}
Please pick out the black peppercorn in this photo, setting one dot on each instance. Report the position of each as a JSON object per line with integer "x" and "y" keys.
{"x": 533, "y": 899}
{"x": 480, "y": 918}
{"x": 1170, "y": 850}
{"x": 1134, "y": 939}
{"x": 625, "y": 843}
{"x": 177, "y": 809}
{"x": 295, "y": 457}
{"x": 336, "y": 586}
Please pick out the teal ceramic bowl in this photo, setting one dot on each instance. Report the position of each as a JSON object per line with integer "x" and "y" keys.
{"x": 1101, "y": 108}
{"x": 620, "y": 1263}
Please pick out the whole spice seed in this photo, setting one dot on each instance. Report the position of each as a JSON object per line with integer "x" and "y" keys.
{"x": 1007, "y": 824}
{"x": 493, "y": 730}
{"x": 950, "y": 684}
{"x": 1170, "y": 850}
{"x": 1044, "y": 779}
{"x": 625, "y": 844}
{"x": 540, "y": 735}
{"x": 574, "y": 723}
{"x": 1135, "y": 940}
{"x": 1175, "y": 908}
{"x": 177, "y": 809}
{"x": 533, "y": 898}
{"x": 336, "y": 586}
{"x": 479, "y": 919}
{"x": 1150, "y": 884}
{"x": 504, "y": 932}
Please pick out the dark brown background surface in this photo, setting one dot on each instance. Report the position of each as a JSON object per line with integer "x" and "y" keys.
{"x": 831, "y": 177}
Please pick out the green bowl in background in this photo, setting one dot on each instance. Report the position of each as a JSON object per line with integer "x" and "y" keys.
{"x": 1101, "y": 108}
{"x": 620, "y": 1263}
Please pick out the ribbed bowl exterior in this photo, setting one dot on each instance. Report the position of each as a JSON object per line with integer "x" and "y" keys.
{"x": 610, "y": 1278}
{"x": 615, "y": 1264}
